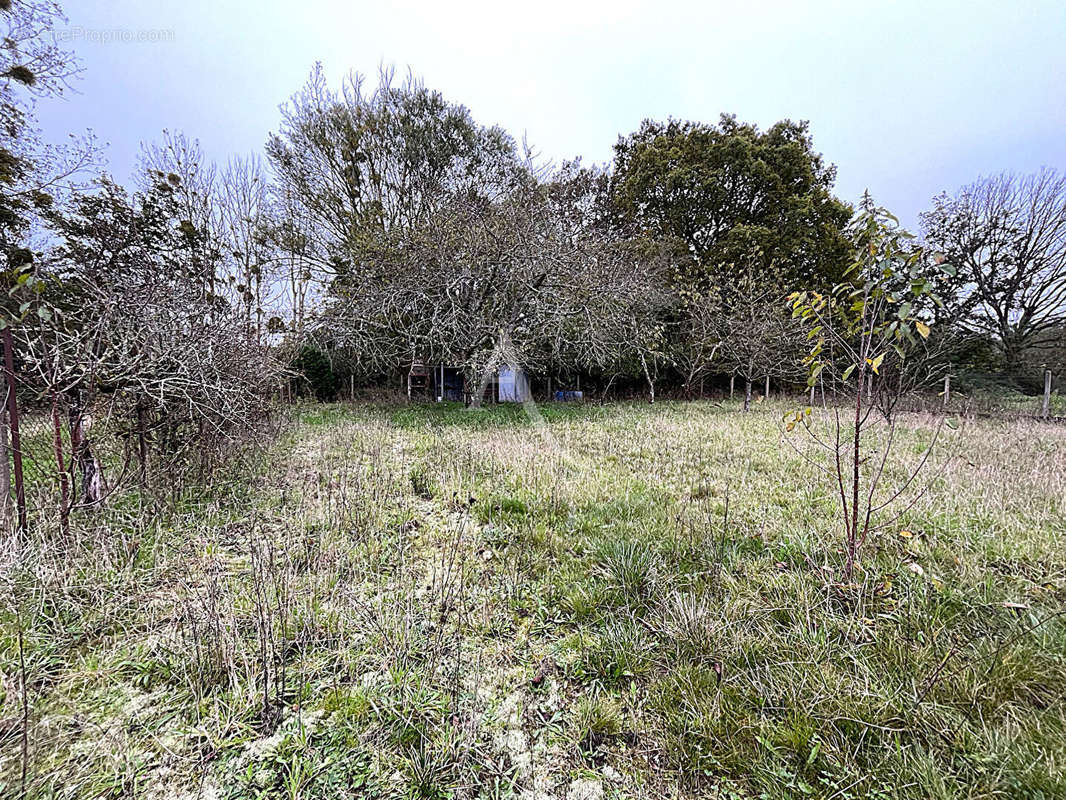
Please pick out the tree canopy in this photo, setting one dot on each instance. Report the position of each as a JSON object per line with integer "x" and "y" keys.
{"x": 721, "y": 190}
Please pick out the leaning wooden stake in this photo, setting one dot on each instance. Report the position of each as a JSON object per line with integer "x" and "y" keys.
{"x": 7, "y": 509}
{"x": 947, "y": 389}
{"x": 13, "y": 425}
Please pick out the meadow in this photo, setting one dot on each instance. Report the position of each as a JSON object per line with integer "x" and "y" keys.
{"x": 617, "y": 601}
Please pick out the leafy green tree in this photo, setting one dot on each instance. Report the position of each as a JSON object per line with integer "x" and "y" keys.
{"x": 722, "y": 190}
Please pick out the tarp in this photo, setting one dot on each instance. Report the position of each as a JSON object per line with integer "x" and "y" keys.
{"x": 513, "y": 386}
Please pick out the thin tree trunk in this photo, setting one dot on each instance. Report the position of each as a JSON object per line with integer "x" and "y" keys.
{"x": 747, "y": 394}
{"x": 92, "y": 477}
{"x": 647, "y": 376}
{"x": 6, "y": 506}
{"x": 13, "y": 422}
{"x": 853, "y": 531}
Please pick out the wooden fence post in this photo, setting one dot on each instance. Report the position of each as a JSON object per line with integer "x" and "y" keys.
{"x": 732, "y": 384}
{"x": 13, "y": 426}
{"x": 947, "y": 389}
{"x": 766, "y": 395}
{"x": 1045, "y": 410}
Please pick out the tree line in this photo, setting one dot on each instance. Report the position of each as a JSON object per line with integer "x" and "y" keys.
{"x": 427, "y": 236}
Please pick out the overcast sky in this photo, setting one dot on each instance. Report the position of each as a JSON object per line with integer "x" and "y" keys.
{"x": 907, "y": 98}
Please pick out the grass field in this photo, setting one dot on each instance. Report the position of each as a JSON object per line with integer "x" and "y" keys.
{"x": 624, "y": 602}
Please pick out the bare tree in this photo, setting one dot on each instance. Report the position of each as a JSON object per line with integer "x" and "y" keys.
{"x": 519, "y": 268}
{"x": 1006, "y": 236}
{"x": 698, "y": 341}
{"x": 127, "y": 332}
{"x": 177, "y": 165}
{"x": 757, "y": 336}
{"x": 247, "y": 250}
{"x": 353, "y": 165}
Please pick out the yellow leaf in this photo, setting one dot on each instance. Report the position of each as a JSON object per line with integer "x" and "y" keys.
{"x": 923, "y": 329}
{"x": 906, "y": 534}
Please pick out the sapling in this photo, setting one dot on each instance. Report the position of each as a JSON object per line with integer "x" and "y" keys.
{"x": 872, "y": 322}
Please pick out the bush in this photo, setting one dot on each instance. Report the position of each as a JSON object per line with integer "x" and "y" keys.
{"x": 316, "y": 375}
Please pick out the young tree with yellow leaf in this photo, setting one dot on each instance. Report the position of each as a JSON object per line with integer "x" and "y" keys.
{"x": 867, "y": 330}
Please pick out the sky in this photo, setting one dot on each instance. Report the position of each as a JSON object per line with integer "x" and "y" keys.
{"x": 906, "y": 98}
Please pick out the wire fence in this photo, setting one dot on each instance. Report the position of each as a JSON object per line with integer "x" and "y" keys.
{"x": 49, "y": 467}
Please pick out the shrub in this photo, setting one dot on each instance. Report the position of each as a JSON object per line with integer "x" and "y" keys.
{"x": 316, "y": 376}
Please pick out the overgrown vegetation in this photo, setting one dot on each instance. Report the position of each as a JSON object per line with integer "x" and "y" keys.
{"x": 206, "y": 591}
{"x": 637, "y": 601}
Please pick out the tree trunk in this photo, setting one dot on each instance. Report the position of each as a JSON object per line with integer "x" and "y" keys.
{"x": 92, "y": 475}
{"x": 853, "y": 527}
{"x": 747, "y": 393}
{"x": 7, "y": 511}
{"x": 13, "y": 432}
{"x": 648, "y": 378}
